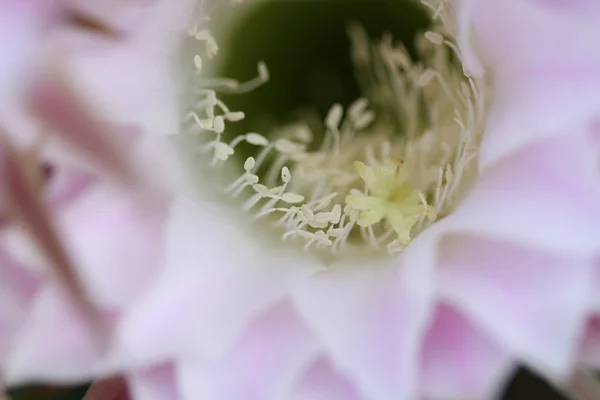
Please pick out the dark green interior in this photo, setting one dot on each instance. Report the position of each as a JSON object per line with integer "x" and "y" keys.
{"x": 307, "y": 50}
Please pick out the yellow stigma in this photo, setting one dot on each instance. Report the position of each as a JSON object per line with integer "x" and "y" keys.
{"x": 388, "y": 196}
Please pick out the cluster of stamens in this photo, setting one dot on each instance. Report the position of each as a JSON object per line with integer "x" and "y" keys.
{"x": 361, "y": 181}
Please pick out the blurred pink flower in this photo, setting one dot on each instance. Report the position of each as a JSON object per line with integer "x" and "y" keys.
{"x": 103, "y": 222}
{"x": 205, "y": 305}
{"x": 35, "y": 81}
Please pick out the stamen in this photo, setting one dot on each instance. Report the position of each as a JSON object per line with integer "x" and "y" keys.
{"x": 367, "y": 179}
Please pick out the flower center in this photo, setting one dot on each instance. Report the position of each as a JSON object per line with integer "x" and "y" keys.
{"x": 357, "y": 178}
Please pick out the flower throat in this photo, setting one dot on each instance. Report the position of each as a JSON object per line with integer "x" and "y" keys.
{"x": 358, "y": 177}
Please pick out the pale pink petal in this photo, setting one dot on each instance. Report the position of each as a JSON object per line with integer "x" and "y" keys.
{"x": 461, "y": 362}
{"x": 529, "y": 37}
{"x": 67, "y": 185}
{"x": 570, "y": 5}
{"x": 18, "y": 287}
{"x": 525, "y": 115}
{"x": 371, "y": 314}
{"x": 154, "y": 383}
{"x": 322, "y": 382}
{"x": 135, "y": 80}
{"x": 218, "y": 276}
{"x": 22, "y": 26}
{"x": 115, "y": 241}
{"x": 63, "y": 111}
{"x": 29, "y": 211}
{"x": 122, "y": 18}
{"x": 57, "y": 342}
{"x": 263, "y": 365}
{"x": 545, "y": 195}
{"x": 533, "y": 302}
{"x": 546, "y": 66}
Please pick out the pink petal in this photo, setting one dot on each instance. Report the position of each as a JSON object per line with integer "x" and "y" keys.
{"x": 57, "y": 342}
{"x": 22, "y": 26}
{"x": 133, "y": 81}
{"x": 545, "y": 195}
{"x": 218, "y": 277}
{"x": 322, "y": 382}
{"x": 155, "y": 383}
{"x": 104, "y": 146}
{"x": 29, "y": 212}
{"x": 118, "y": 16}
{"x": 372, "y": 316}
{"x": 532, "y": 302}
{"x": 263, "y": 365}
{"x": 17, "y": 291}
{"x": 115, "y": 240}
{"x": 533, "y": 111}
{"x": 460, "y": 362}
{"x": 529, "y": 36}
{"x": 546, "y": 65}
{"x": 67, "y": 185}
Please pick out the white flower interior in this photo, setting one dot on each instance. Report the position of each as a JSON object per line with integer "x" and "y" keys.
{"x": 370, "y": 180}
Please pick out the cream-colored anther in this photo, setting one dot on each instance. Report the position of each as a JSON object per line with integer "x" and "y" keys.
{"x": 256, "y": 139}
{"x": 219, "y": 124}
{"x": 249, "y": 164}
{"x": 334, "y": 116}
{"x": 434, "y": 37}
{"x": 285, "y": 174}
{"x": 292, "y": 198}
{"x": 222, "y": 151}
